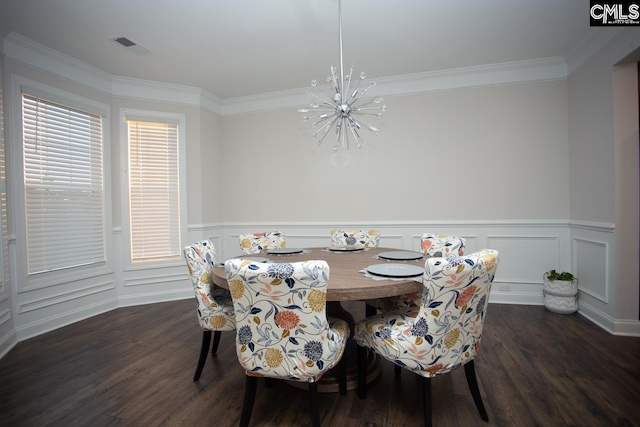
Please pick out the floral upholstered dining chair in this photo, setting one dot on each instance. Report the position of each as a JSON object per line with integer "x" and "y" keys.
{"x": 367, "y": 238}
{"x": 215, "y": 307}
{"x": 255, "y": 243}
{"x": 444, "y": 333}
{"x": 282, "y": 327}
{"x": 433, "y": 245}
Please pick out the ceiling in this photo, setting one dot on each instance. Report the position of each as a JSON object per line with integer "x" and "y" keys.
{"x": 239, "y": 48}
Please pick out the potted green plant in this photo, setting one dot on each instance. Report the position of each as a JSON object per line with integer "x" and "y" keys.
{"x": 560, "y": 292}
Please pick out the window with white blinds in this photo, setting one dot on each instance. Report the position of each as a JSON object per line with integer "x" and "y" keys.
{"x": 154, "y": 191}
{"x": 63, "y": 185}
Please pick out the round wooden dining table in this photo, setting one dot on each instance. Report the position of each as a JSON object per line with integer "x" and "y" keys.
{"x": 347, "y": 282}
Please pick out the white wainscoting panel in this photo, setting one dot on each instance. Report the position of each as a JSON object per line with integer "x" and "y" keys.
{"x": 523, "y": 260}
{"x": 592, "y": 267}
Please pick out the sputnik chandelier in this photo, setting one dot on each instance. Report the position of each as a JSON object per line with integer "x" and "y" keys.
{"x": 343, "y": 109}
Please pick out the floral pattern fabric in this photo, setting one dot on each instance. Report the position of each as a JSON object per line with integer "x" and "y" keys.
{"x": 283, "y": 330}
{"x": 215, "y": 307}
{"x": 446, "y": 329}
{"x": 434, "y": 245}
{"x": 440, "y": 245}
{"x": 367, "y": 238}
{"x": 255, "y": 243}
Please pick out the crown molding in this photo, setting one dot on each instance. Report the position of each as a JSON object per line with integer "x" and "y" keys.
{"x": 127, "y": 87}
{"x": 45, "y": 59}
{"x": 589, "y": 46}
{"x": 35, "y": 55}
{"x": 266, "y": 102}
{"x": 533, "y": 70}
{"x": 435, "y": 81}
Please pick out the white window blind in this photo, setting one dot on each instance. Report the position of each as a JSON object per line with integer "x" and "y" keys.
{"x": 154, "y": 191}
{"x": 63, "y": 184}
{"x": 4, "y": 247}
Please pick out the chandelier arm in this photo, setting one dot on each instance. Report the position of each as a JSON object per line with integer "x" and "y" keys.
{"x": 345, "y": 134}
{"x": 359, "y": 109}
{"x": 366, "y": 125}
{"x": 353, "y": 97}
{"x": 325, "y": 109}
{"x": 364, "y": 104}
{"x": 356, "y": 96}
{"x": 362, "y": 107}
{"x": 356, "y": 136}
{"x": 327, "y": 105}
{"x": 346, "y": 91}
{"x": 369, "y": 114}
{"x": 366, "y": 111}
{"x": 334, "y": 80}
{"x": 326, "y": 125}
{"x": 354, "y": 123}
{"x": 372, "y": 84}
{"x": 321, "y": 140}
{"x": 323, "y": 116}
{"x": 320, "y": 98}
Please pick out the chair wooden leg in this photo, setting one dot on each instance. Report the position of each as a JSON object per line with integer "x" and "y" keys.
{"x": 472, "y": 381}
{"x": 313, "y": 400}
{"x": 370, "y": 310}
{"x": 250, "y": 387}
{"x": 342, "y": 385}
{"x": 397, "y": 370}
{"x": 204, "y": 351}
{"x": 426, "y": 400}
{"x": 362, "y": 372}
{"x": 216, "y": 341}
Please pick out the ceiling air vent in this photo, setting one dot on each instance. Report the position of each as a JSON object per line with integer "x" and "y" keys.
{"x": 125, "y": 42}
{"x": 132, "y": 46}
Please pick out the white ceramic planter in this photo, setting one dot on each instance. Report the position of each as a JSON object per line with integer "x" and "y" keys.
{"x": 560, "y": 296}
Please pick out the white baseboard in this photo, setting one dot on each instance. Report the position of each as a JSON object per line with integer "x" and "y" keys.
{"x": 154, "y": 297}
{"x": 516, "y": 298}
{"x": 7, "y": 342}
{"x": 47, "y": 324}
{"x": 613, "y": 326}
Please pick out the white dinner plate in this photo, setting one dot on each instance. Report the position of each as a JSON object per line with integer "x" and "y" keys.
{"x": 401, "y": 255}
{"x": 346, "y": 248}
{"x": 285, "y": 251}
{"x": 255, "y": 258}
{"x": 395, "y": 270}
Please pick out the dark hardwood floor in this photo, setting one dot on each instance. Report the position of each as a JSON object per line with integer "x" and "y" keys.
{"x": 134, "y": 367}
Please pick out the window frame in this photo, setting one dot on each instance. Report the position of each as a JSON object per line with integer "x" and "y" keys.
{"x": 47, "y": 279}
{"x": 127, "y": 114}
